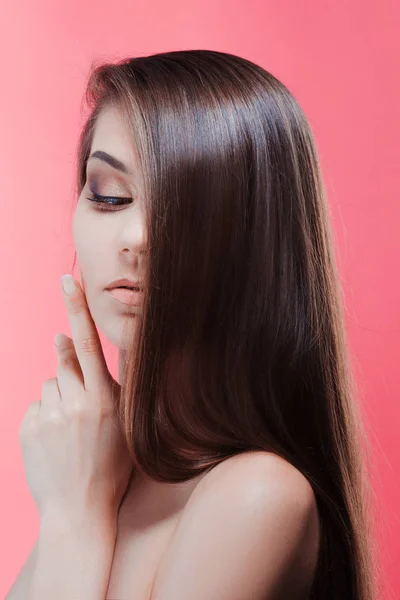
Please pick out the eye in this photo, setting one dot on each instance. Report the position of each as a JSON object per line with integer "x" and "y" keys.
{"x": 108, "y": 203}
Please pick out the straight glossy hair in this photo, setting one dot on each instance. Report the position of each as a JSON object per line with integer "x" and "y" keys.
{"x": 242, "y": 342}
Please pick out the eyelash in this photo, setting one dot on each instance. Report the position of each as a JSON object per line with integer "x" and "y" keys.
{"x": 102, "y": 201}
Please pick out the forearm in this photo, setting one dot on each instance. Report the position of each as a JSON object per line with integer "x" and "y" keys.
{"x": 74, "y": 559}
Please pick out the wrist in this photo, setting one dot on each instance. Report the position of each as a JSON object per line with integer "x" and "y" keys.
{"x": 97, "y": 524}
{"x": 74, "y": 555}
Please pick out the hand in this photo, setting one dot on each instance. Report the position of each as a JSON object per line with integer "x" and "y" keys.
{"x": 76, "y": 458}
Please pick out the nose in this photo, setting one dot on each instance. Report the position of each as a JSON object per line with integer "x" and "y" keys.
{"x": 134, "y": 233}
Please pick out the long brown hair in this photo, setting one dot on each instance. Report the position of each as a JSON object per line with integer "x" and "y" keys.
{"x": 242, "y": 342}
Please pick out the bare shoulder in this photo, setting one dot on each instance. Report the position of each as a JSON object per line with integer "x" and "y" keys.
{"x": 264, "y": 471}
{"x": 249, "y": 529}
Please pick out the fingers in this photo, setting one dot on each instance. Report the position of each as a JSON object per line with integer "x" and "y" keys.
{"x": 28, "y": 419}
{"x": 32, "y": 410}
{"x": 69, "y": 372}
{"x": 51, "y": 397}
{"x": 85, "y": 337}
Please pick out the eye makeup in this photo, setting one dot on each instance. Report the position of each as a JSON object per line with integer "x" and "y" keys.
{"x": 106, "y": 203}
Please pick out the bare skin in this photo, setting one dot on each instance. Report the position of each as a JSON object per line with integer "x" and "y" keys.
{"x": 253, "y": 517}
{"x": 146, "y": 522}
{"x": 161, "y": 525}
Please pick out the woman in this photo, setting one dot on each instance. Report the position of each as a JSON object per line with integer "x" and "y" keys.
{"x": 243, "y": 474}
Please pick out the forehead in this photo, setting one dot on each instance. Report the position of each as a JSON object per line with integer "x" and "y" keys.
{"x": 112, "y": 136}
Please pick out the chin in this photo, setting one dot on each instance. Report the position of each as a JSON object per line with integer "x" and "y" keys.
{"x": 119, "y": 330}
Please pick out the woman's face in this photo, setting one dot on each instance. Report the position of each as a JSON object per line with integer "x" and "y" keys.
{"x": 109, "y": 243}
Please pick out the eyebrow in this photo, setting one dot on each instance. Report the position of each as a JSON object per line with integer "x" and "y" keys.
{"x": 110, "y": 160}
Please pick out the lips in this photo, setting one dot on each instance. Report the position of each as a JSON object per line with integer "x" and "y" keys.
{"x": 126, "y": 296}
{"x": 125, "y": 283}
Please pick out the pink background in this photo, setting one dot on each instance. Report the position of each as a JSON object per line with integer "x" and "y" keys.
{"x": 341, "y": 61}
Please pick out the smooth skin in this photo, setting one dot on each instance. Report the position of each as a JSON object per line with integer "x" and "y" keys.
{"x": 249, "y": 529}
{"x": 76, "y": 463}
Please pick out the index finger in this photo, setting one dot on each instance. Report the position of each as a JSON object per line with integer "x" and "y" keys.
{"x": 84, "y": 334}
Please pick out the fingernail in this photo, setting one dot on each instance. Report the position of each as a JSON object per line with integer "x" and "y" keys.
{"x": 68, "y": 284}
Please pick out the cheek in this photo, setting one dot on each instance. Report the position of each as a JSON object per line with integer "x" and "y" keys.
{"x": 92, "y": 239}
{"x": 78, "y": 225}
{"x": 83, "y": 242}
{"x": 84, "y": 228}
